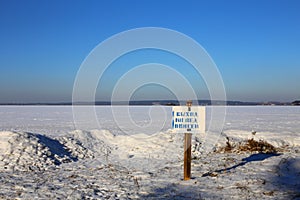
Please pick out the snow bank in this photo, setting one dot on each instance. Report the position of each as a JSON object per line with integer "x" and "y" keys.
{"x": 30, "y": 152}
{"x": 283, "y": 140}
{"x": 140, "y": 151}
{"x": 4, "y": 141}
{"x": 98, "y": 164}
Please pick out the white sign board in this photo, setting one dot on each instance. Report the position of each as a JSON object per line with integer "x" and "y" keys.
{"x": 188, "y": 120}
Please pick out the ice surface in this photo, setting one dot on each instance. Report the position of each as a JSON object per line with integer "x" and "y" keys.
{"x": 57, "y": 119}
{"x": 44, "y": 154}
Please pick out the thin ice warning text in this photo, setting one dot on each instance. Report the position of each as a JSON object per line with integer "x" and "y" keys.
{"x": 192, "y": 120}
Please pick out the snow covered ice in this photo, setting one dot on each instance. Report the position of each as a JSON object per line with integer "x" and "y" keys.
{"x": 44, "y": 155}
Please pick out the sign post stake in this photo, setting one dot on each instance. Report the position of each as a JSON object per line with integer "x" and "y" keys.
{"x": 187, "y": 150}
{"x": 187, "y": 156}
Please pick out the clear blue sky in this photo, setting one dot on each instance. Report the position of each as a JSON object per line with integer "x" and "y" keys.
{"x": 255, "y": 44}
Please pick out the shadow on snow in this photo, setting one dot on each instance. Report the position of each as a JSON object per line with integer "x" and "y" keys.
{"x": 56, "y": 148}
{"x": 173, "y": 192}
{"x": 287, "y": 177}
{"x": 251, "y": 158}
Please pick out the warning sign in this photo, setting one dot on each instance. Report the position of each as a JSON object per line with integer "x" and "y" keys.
{"x": 188, "y": 119}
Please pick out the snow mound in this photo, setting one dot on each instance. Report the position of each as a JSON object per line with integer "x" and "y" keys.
{"x": 35, "y": 152}
{"x": 140, "y": 151}
{"x": 274, "y": 138}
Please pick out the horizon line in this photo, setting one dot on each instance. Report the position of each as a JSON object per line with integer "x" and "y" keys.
{"x": 157, "y": 102}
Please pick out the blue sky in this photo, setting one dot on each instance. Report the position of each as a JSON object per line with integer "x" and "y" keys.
{"x": 255, "y": 44}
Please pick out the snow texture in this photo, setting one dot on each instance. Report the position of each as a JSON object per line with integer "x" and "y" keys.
{"x": 44, "y": 156}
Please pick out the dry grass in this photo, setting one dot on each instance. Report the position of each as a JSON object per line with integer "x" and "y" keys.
{"x": 249, "y": 145}
{"x": 260, "y": 146}
{"x": 228, "y": 147}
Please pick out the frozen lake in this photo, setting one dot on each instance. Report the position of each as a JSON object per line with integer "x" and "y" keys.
{"x": 59, "y": 119}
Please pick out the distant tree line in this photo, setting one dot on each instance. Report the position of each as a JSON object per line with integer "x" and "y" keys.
{"x": 296, "y": 103}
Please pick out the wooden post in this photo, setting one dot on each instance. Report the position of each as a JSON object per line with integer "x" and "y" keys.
{"x": 187, "y": 150}
{"x": 187, "y": 156}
